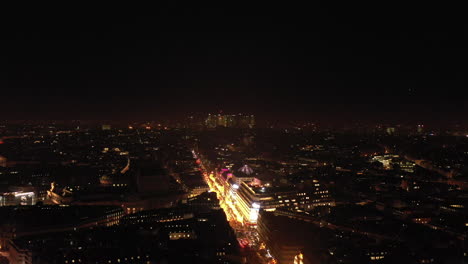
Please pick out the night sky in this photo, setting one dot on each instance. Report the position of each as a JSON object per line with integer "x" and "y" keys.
{"x": 318, "y": 62}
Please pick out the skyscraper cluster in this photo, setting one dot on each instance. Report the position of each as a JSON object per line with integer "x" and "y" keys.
{"x": 233, "y": 121}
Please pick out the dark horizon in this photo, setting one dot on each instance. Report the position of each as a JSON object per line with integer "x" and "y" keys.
{"x": 334, "y": 64}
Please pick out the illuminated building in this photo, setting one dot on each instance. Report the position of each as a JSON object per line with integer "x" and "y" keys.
{"x": 185, "y": 210}
{"x": 233, "y": 121}
{"x": 405, "y": 165}
{"x": 390, "y": 161}
{"x": 391, "y": 130}
{"x": 299, "y": 259}
{"x": 289, "y": 240}
{"x": 242, "y": 195}
{"x": 158, "y": 215}
{"x": 17, "y": 198}
{"x": 251, "y": 197}
{"x": 376, "y": 254}
{"x": 204, "y": 200}
{"x": 106, "y": 127}
{"x": 246, "y": 170}
{"x": 192, "y": 183}
{"x": 59, "y": 197}
{"x": 385, "y": 160}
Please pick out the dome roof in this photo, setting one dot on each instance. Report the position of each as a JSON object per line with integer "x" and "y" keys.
{"x": 106, "y": 180}
{"x": 246, "y": 169}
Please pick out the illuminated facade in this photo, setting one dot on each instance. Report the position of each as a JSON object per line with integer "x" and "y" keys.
{"x": 246, "y": 170}
{"x": 299, "y": 259}
{"x": 159, "y": 215}
{"x": 238, "y": 121}
{"x": 252, "y": 197}
{"x": 17, "y": 198}
{"x": 242, "y": 198}
{"x": 390, "y": 161}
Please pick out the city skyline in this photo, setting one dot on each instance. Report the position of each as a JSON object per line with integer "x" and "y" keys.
{"x": 231, "y": 133}
{"x": 221, "y": 190}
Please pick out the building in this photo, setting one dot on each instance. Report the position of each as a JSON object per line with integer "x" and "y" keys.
{"x": 290, "y": 240}
{"x": 205, "y": 238}
{"x": 251, "y": 198}
{"x": 244, "y": 195}
{"x": 392, "y": 161}
{"x": 42, "y": 219}
{"x": 192, "y": 182}
{"x": 231, "y": 121}
{"x": 18, "y": 198}
{"x": 158, "y": 215}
